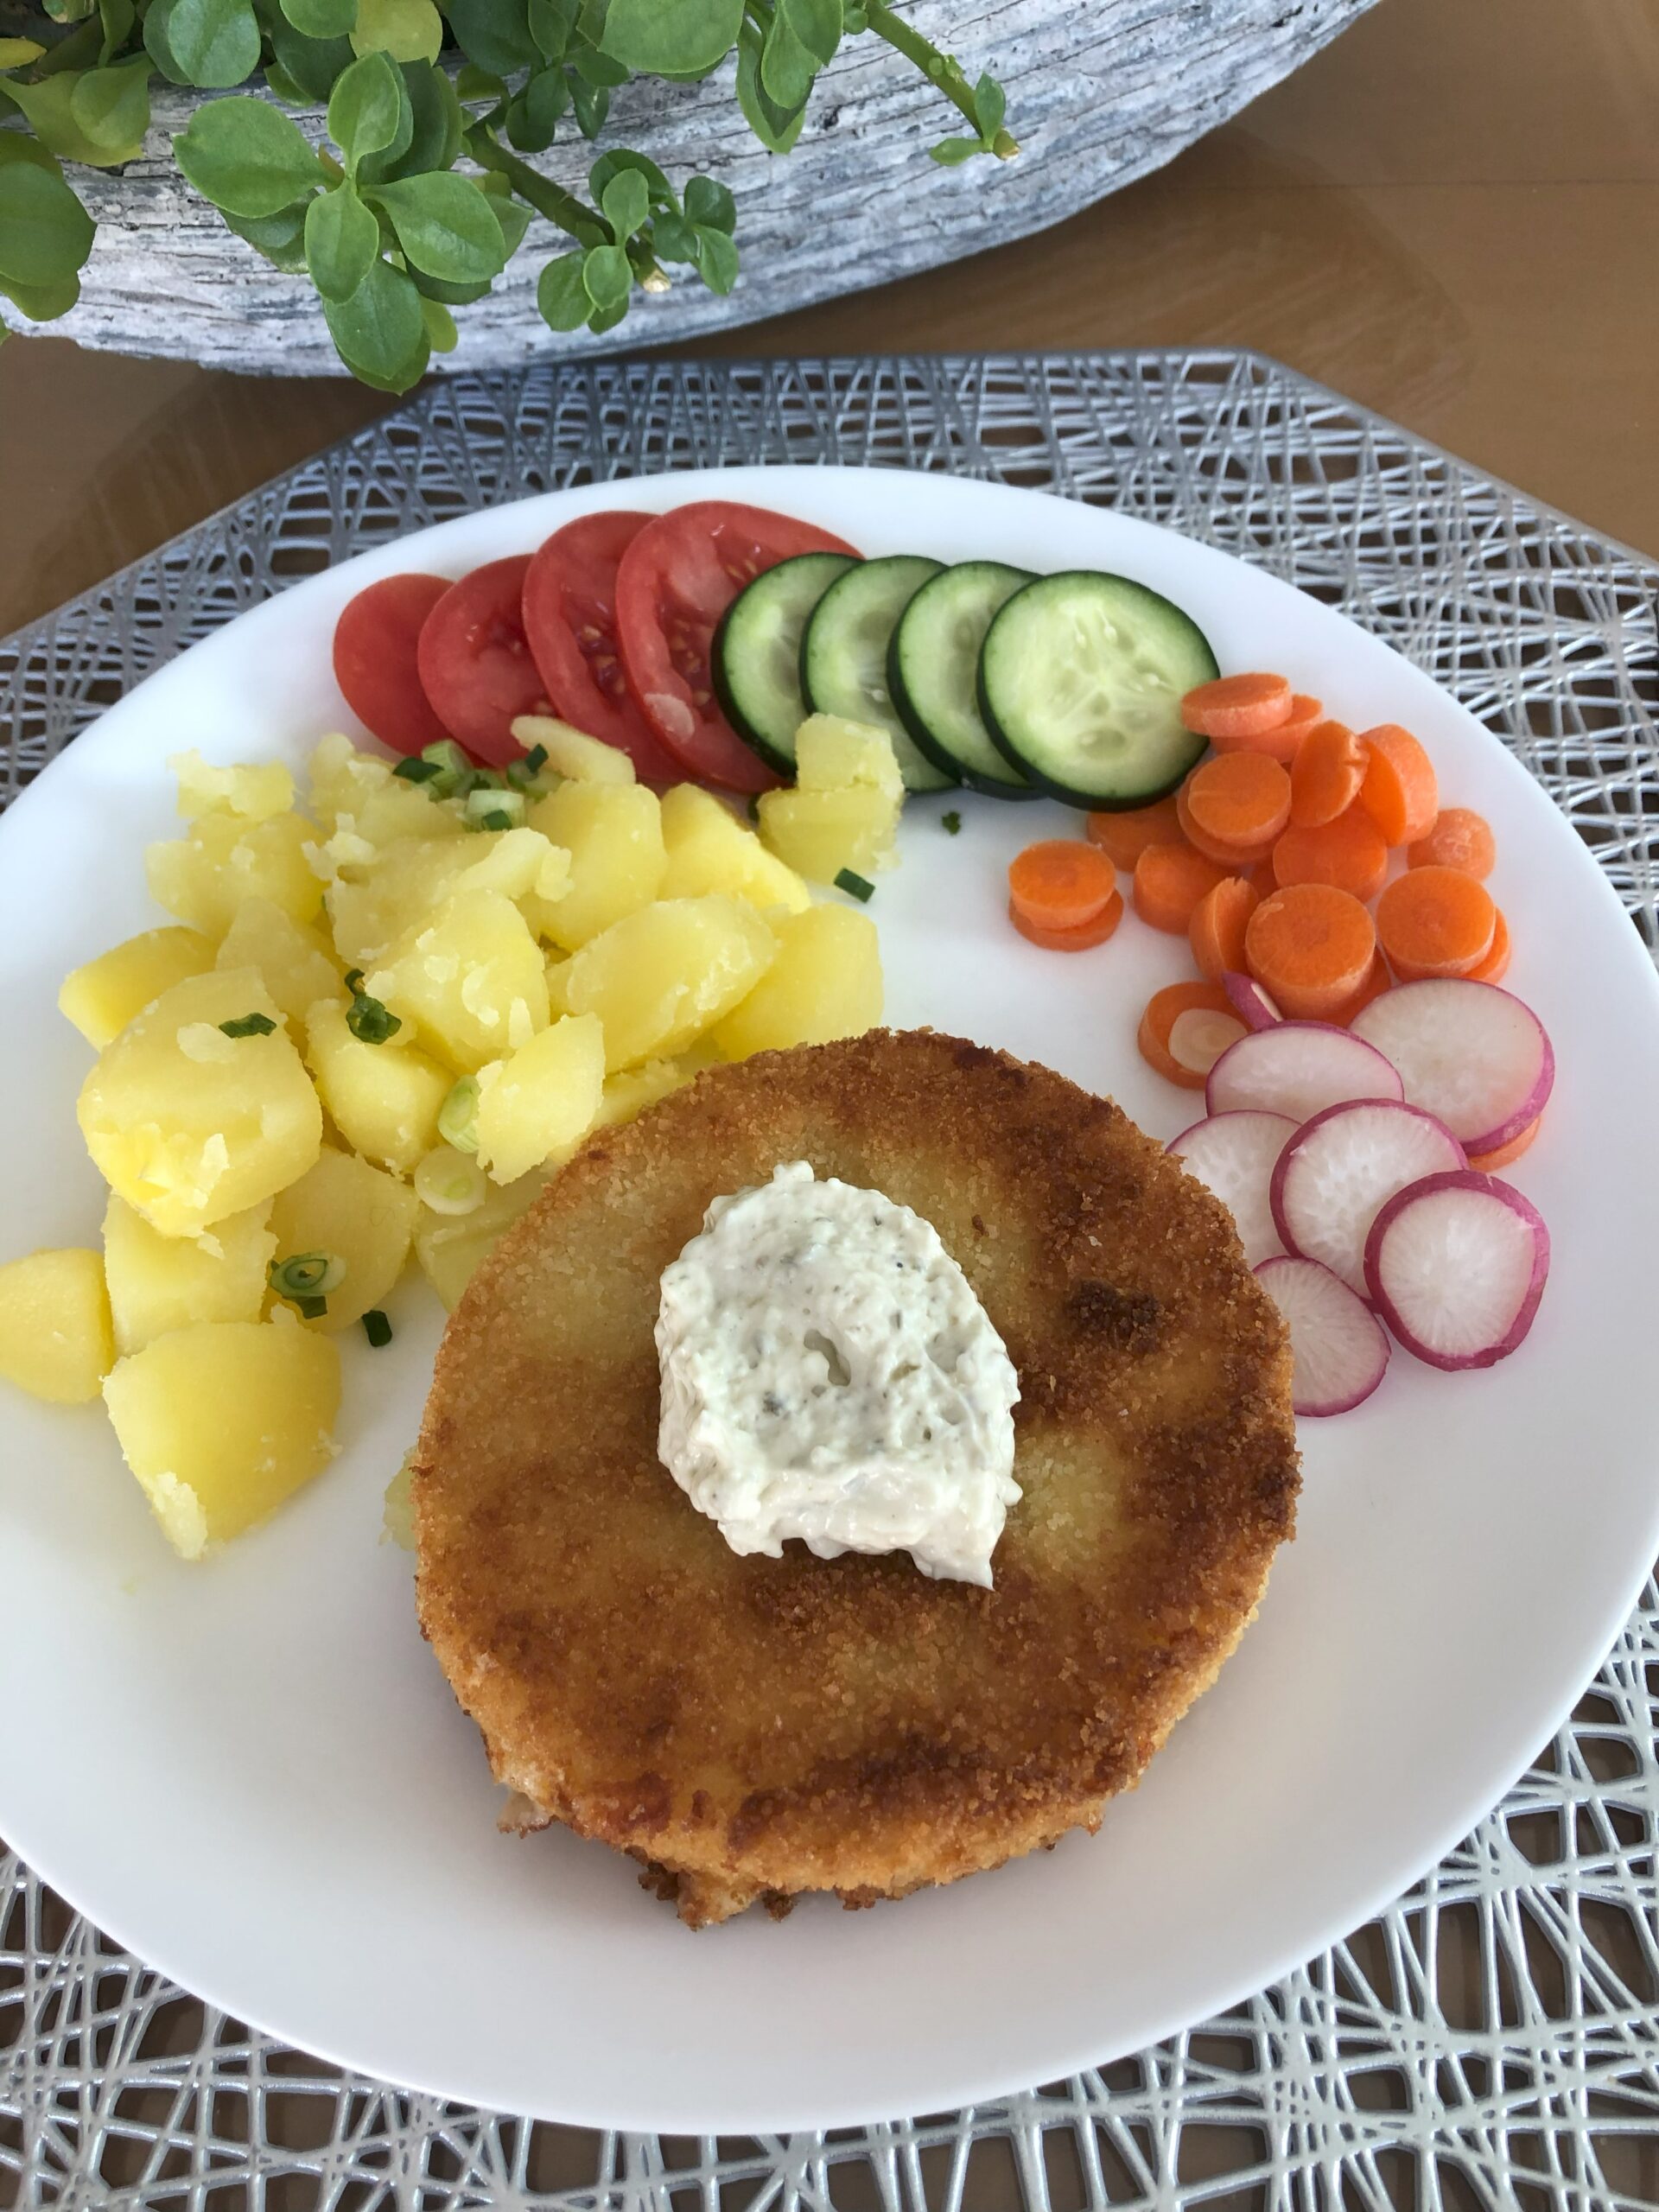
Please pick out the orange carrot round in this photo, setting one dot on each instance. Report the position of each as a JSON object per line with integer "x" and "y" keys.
{"x": 1458, "y": 838}
{"x": 1236, "y": 706}
{"x": 1169, "y": 882}
{"x": 1348, "y": 852}
{"x": 1280, "y": 742}
{"x": 1326, "y": 776}
{"x": 1233, "y": 858}
{"x": 1311, "y": 948}
{"x": 1435, "y": 921}
{"x": 1061, "y": 882}
{"x": 1239, "y": 798}
{"x": 1124, "y": 837}
{"x": 1374, "y": 984}
{"x": 1217, "y": 929}
{"x": 1400, "y": 792}
{"x": 1164, "y": 1008}
{"x": 1487, "y": 1163}
{"x": 1073, "y": 940}
{"x": 1496, "y": 965}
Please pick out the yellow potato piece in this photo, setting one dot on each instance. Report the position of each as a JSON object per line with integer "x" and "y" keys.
{"x": 405, "y": 881}
{"x": 709, "y": 849}
{"x": 188, "y": 1125}
{"x": 254, "y": 792}
{"x": 571, "y": 752}
{"x": 833, "y": 754}
{"x": 471, "y": 981}
{"x": 819, "y": 832}
{"x": 102, "y": 997}
{"x": 205, "y": 877}
{"x": 632, "y": 1089}
{"x": 357, "y": 1213}
{"x": 55, "y": 1340}
{"x": 384, "y": 1099}
{"x": 359, "y": 793}
{"x": 824, "y": 983}
{"x": 657, "y": 979}
{"x": 223, "y": 1421}
{"x": 614, "y": 834}
{"x": 160, "y": 1283}
{"x": 537, "y": 1105}
{"x": 295, "y": 964}
{"x": 450, "y": 1246}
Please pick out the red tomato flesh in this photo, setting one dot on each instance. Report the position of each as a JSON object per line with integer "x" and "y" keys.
{"x": 675, "y": 579}
{"x": 374, "y": 660}
{"x": 569, "y": 617}
{"x": 475, "y": 661}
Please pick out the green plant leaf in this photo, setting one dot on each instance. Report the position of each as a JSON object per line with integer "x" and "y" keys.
{"x": 674, "y": 239}
{"x": 247, "y": 156}
{"x": 440, "y": 324}
{"x": 786, "y": 67}
{"x": 367, "y": 110}
{"x": 436, "y": 124}
{"x": 604, "y": 319}
{"x": 45, "y": 233}
{"x": 111, "y": 107}
{"x": 672, "y": 37}
{"x": 592, "y": 103}
{"x": 777, "y": 128}
{"x": 48, "y": 108}
{"x": 320, "y": 18}
{"x": 316, "y": 65}
{"x": 596, "y": 68}
{"x": 118, "y": 18}
{"x": 514, "y": 218}
{"x": 408, "y": 30}
{"x": 626, "y": 203}
{"x": 69, "y": 11}
{"x": 533, "y": 116}
{"x": 445, "y": 226}
{"x": 280, "y": 238}
{"x": 561, "y": 296}
{"x": 951, "y": 152}
{"x": 342, "y": 239}
{"x": 18, "y": 146}
{"x": 606, "y": 277}
{"x": 710, "y": 204}
{"x": 281, "y": 86}
{"x": 380, "y": 332}
{"x": 816, "y": 23}
{"x": 214, "y": 42}
{"x": 18, "y": 52}
{"x": 990, "y": 105}
{"x": 494, "y": 33}
{"x": 473, "y": 83}
{"x": 552, "y": 25}
{"x": 658, "y": 191}
{"x": 42, "y": 302}
{"x": 716, "y": 260}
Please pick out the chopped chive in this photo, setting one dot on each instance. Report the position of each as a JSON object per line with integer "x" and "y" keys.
{"x": 952, "y": 823}
{"x": 753, "y": 811}
{"x": 420, "y": 770}
{"x": 496, "y": 818}
{"x": 249, "y": 1024}
{"x": 857, "y": 886}
{"x": 311, "y": 1309}
{"x": 354, "y": 978}
{"x": 376, "y": 1327}
{"x": 369, "y": 1021}
{"x": 521, "y": 774}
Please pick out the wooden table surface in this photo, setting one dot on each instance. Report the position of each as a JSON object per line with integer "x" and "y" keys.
{"x": 1451, "y": 214}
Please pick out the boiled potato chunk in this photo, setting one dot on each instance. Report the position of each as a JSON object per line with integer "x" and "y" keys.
{"x": 102, "y": 997}
{"x": 571, "y": 752}
{"x": 360, "y": 792}
{"x": 160, "y": 1283}
{"x": 538, "y": 1104}
{"x": 614, "y": 834}
{"x": 471, "y": 981}
{"x": 825, "y": 983}
{"x": 834, "y": 755}
{"x": 384, "y": 1099}
{"x": 450, "y": 1246}
{"x": 188, "y": 1125}
{"x": 295, "y": 964}
{"x": 205, "y": 877}
{"x": 632, "y": 1089}
{"x": 254, "y": 793}
{"x": 659, "y": 978}
{"x": 55, "y": 1340}
{"x": 709, "y": 849}
{"x": 361, "y": 1216}
{"x": 405, "y": 881}
{"x": 222, "y": 1421}
{"x": 820, "y": 833}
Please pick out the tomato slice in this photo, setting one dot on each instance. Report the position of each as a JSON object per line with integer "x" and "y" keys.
{"x": 475, "y": 661}
{"x": 569, "y": 615}
{"x": 676, "y": 581}
{"x": 374, "y": 660}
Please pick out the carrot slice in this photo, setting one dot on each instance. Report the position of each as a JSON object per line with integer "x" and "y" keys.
{"x": 1348, "y": 852}
{"x": 1217, "y": 929}
{"x": 1326, "y": 775}
{"x": 1486, "y": 1162}
{"x": 1496, "y": 965}
{"x": 1238, "y": 798}
{"x": 1164, "y": 1008}
{"x": 1280, "y": 742}
{"x": 1123, "y": 837}
{"x": 1233, "y": 858}
{"x": 1400, "y": 792}
{"x": 1311, "y": 948}
{"x": 1169, "y": 882}
{"x": 1459, "y": 838}
{"x": 1374, "y": 984}
{"x": 1061, "y": 882}
{"x": 1073, "y": 940}
{"x": 1236, "y": 706}
{"x": 1435, "y": 921}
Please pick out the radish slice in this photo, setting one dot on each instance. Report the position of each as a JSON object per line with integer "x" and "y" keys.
{"x": 1234, "y": 1155}
{"x": 1471, "y": 1055}
{"x": 1342, "y": 1167}
{"x": 1457, "y": 1264}
{"x": 1298, "y": 1069}
{"x": 1200, "y": 1037}
{"x": 1339, "y": 1351}
{"x": 1251, "y": 1003}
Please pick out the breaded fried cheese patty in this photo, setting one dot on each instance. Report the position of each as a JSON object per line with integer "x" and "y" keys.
{"x": 753, "y": 1728}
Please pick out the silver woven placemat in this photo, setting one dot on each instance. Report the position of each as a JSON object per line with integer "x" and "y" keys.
{"x": 1494, "y": 2038}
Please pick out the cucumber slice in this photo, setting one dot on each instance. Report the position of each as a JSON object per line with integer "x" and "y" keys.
{"x": 756, "y": 660}
{"x": 1081, "y": 678}
{"x": 844, "y": 655}
{"x": 933, "y": 672}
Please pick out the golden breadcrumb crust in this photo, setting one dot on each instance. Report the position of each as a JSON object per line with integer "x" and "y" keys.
{"x": 754, "y": 1728}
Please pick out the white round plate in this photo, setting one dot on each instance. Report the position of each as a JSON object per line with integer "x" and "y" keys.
{"x": 254, "y": 1775}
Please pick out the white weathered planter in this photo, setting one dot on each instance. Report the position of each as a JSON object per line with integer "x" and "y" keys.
{"x": 1100, "y": 92}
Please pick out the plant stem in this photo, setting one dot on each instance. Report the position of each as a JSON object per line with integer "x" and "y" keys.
{"x": 560, "y": 207}
{"x": 942, "y": 70}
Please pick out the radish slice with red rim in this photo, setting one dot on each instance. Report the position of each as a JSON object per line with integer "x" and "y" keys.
{"x": 1457, "y": 1265}
{"x": 1341, "y": 1168}
{"x": 1338, "y": 1351}
{"x": 1298, "y": 1069}
{"x": 1251, "y": 1003}
{"x": 1472, "y": 1055}
{"x": 1233, "y": 1155}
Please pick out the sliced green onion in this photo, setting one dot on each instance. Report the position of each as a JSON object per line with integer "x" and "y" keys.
{"x": 420, "y": 770}
{"x": 458, "y": 1115}
{"x": 494, "y": 809}
{"x": 450, "y": 766}
{"x": 520, "y": 772}
{"x": 376, "y": 1327}
{"x": 354, "y": 980}
{"x": 369, "y": 1021}
{"x": 305, "y": 1279}
{"x": 952, "y": 823}
{"x": 450, "y": 1182}
{"x": 856, "y": 886}
{"x": 249, "y": 1024}
{"x": 311, "y": 1309}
